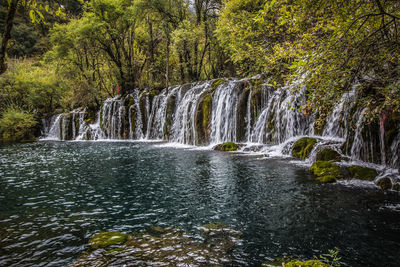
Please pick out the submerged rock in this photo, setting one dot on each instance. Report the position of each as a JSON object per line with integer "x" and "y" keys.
{"x": 164, "y": 247}
{"x": 106, "y": 239}
{"x": 303, "y": 147}
{"x": 310, "y": 263}
{"x": 363, "y": 173}
{"x": 326, "y": 172}
{"x": 228, "y": 146}
{"x": 328, "y": 154}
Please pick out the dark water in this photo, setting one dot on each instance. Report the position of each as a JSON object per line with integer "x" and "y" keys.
{"x": 55, "y": 196}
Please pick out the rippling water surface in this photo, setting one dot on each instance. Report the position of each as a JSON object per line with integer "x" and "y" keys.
{"x": 54, "y": 196}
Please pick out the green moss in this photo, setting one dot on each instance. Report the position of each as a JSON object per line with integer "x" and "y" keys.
{"x": 310, "y": 263}
{"x": 363, "y": 173}
{"x": 385, "y": 183}
{"x": 326, "y": 171}
{"x": 228, "y": 146}
{"x": 106, "y": 239}
{"x": 303, "y": 147}
{"x": 328, "y": 154}
{"x": 217, "y": 83}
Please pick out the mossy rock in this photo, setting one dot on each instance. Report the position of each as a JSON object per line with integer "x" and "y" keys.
{"x": 328, "y": 154}
{"x": 385, "y": 183}
{"x": 363, "y": 173}
{"x": 106, "y": 239}
{"x": 228, "y": 146}
{"x": 326, "y": 172}
{"x": 310, "y": 263}
{"x": 303, "y": 147}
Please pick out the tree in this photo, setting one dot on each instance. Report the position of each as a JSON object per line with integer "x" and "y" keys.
{"x": 12, "y": 9}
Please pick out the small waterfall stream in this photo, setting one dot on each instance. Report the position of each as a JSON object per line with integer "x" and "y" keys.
{"x": 243, "y": 111}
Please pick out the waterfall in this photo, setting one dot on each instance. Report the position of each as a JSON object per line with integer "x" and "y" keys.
{"x": 224, "y": 116}
{"x": 217, "y": 111}
{"x": 336, "y": 124}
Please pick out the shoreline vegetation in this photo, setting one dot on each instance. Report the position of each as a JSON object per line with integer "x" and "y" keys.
{"x": 102, "y": 48}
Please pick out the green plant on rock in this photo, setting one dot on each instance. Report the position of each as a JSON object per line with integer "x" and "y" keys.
{"x": 303, "y": 147}
{"x": 331, "y": 258}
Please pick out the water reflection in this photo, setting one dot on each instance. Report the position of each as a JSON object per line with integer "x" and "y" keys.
{"x": 55, "y": 196}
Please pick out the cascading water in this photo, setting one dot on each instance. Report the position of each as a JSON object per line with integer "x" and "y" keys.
{"x": 212, "y": 112}
{"x": 224, "y": 114}
{"x": 336, "y": 124}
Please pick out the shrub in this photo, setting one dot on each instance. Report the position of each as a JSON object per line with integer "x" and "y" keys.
{"x": 16, "y": 125}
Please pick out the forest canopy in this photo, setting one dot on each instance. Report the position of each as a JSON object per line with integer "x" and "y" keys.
{"x": 91, "y": 50}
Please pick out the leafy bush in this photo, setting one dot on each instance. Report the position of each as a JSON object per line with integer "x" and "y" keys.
{"x": 30, "y": 85}
{"x": 16, "y": 125}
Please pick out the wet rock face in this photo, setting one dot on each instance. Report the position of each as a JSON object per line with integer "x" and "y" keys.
{"x": 203, "y": 119}
{"x": 162, "y": 247}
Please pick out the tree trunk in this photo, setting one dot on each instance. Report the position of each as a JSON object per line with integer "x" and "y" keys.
{"x": 12, "y": 8}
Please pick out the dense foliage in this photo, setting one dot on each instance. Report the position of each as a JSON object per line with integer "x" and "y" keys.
{"x": 99, "y": 48}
